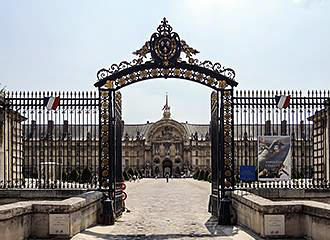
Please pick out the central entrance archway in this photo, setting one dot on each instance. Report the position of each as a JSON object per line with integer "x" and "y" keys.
{"x": 167, "y": 167}
{"x": 165, "y": 55}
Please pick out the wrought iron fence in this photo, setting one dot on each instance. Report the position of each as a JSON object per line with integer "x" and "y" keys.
{"x": 260, "y": 130}
{"x": 58, "y": 147}
{"x": 49, "y": 140}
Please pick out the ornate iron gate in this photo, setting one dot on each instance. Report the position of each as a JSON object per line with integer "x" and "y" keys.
{"x": 164, "y": 61}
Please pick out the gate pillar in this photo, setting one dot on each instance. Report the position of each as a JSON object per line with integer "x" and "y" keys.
{"x": 226, "y": 157}
{"x": 214, "y": 134}
{"x": 106, "y": 153}
{"x": 110, "y": 153}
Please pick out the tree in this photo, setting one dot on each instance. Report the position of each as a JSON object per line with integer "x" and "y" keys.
{"x": 64, "y": 176}
{"x": 201, "y": 175}
{"x": 196, "y": 174}
{"x": 125, "y": 175}
{"x": 206, "y": 175}
{"x": 74, "y": 176}
{"x": 86, "y": 176}
{"x": 209, "y": 178}
{"x": 130, "y": 172}
{"x": 140, "y": 173}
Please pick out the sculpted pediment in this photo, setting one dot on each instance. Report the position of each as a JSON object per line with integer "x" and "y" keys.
{"x": 167, "y": 130}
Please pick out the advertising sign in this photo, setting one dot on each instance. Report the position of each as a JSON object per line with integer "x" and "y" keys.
{"x": 274, "y": 157}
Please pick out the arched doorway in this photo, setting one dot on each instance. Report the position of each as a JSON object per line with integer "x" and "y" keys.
{"x": 160, "y": 57}
{"x": 167, "y": 167}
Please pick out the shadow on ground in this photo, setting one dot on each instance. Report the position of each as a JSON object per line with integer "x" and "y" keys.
{"x": 215, "y": 231}
{"x": 150, "y": 236}
{"x": 218, "y": 230}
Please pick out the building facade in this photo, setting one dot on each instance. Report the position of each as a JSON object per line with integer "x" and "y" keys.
{"x": 166, "y": 147}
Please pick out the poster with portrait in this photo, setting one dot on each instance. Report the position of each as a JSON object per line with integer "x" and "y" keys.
{"x": 274, "y": 157}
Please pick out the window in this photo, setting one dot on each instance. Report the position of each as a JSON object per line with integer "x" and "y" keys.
{"x": 208, "y": 162}
{"x": 126, "y": 162}
{"x": 138, "y": 162}
{"x": 196, "y": 153}
{"x": 196, "y": 161}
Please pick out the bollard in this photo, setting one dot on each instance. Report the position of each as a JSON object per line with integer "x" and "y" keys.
{"x": 108, "y": 216}
{"x": 224, "y": 216}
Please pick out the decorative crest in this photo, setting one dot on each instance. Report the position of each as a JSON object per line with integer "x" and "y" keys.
{"x": 165, "y": 46}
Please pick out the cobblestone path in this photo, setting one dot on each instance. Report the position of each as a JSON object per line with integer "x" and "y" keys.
{"x": 160, "y": 210}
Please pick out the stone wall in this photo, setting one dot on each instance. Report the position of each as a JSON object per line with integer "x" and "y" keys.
{"x": 32, "y": 218}
{"x": 301, "y": 218}
{"x": 320, "y": 195}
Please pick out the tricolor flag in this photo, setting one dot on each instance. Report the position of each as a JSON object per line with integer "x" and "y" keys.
{"x": 51, "y": 103}
{"x": 282, "y": 101}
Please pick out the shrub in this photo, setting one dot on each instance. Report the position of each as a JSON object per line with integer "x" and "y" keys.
{"x": 209, "y": 178}
{"x": 74, "y": 176}
{"x": 130, "y": 172}
{"x": 206, "y": 175}
{"x": 125, "y": 176}
{"x": 64, "y": 176}
{"x": 201, "y": 175}
{"x": 86, "y": 176}
{"x": 196, "y": 174}
{"x": 140, "y": 173}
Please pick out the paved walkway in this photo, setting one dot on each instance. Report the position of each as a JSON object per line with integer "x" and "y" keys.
{"x": 160, "y": 210}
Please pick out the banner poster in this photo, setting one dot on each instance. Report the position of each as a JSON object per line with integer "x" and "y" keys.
{"x": 274, "y": 157}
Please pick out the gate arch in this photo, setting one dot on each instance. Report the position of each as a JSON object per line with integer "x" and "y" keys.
{"x": 160, "y": 57}
{"x": 165, "y": 48}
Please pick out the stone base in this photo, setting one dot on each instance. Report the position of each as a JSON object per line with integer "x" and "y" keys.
{"x": 26, "y": 219}
{"x": 302, "y": 219}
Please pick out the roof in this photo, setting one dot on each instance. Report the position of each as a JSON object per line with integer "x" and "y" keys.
{"x": 135, "y": 131}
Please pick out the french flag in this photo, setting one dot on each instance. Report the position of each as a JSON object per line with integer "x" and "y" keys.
{"x": 282, "y": 101}
{"x": 51, "y": 103}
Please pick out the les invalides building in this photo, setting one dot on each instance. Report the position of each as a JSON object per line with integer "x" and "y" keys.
{"x": 166, "y": 146}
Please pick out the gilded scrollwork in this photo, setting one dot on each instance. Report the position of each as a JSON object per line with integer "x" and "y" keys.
{"x": 189, "y": 51}
{"x": 142, "y": 52}
{"x": 104, "y": 122}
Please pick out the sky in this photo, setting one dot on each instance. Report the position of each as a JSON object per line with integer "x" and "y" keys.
{"x": 60, "y": 45}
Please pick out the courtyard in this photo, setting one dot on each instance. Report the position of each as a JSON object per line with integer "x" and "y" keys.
{"x": 160, "y": 210}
